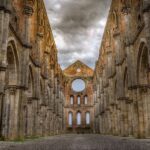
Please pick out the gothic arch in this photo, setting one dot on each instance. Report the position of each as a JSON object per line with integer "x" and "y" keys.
{"x": 41, "y": 90}
{"x": 71, "y": 99}
{"x": 126, "y": 82}
{"x": 85, "y": 99}
{"x": 142, "y": 64}
{"x": 12, "y": 72}
{"x": 115, "y": 20}
{"x": 30, "y": 83}
{"x": 78, "y": 118}
{"x": 78, "y": 99}
{"x": 87, "y": 118}
{"x": 70, "y": 118}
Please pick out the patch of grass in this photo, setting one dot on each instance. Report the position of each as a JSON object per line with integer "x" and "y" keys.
{"x": 32, "y": 138}
{"x": 2, "y": 138}
{"x": 21, "y": 140}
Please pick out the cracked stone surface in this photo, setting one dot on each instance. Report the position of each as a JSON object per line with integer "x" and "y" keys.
{"x": 79, "y": 142}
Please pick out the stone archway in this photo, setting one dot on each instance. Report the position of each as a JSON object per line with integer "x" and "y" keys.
{"x": 11, "y": 98}
{"x": 143, "y": 102}
{"x": 28, "y": 111}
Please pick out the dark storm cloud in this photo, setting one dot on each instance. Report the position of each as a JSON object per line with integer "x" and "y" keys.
{"x": 77, "y": 27}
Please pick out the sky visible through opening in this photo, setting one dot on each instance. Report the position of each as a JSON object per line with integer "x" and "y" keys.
{"x": 78, "y": 27}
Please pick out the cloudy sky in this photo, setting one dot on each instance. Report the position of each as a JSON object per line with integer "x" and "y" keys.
{"x": 77, "y": 27}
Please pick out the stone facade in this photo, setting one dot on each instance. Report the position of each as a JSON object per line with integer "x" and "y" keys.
{"x": 31, "y": 80}
{"x": 122, "y": 74}
{"x": 78, "y": 102}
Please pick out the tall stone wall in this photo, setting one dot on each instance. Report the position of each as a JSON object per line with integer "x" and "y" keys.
{"x": 122, "y": 74}
{"x": 78, "y": 101}
{"x": 31, "y": 80}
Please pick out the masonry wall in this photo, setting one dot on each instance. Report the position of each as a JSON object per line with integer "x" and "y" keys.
{"x": 31, "y": 81}
{"x": 84, "y": 105}
{"x": 122, "y": 74}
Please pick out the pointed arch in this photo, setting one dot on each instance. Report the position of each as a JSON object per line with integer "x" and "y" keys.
{"x": 115, "y": 20}
{"x": 78, "y": 117}
{"x": 126, "y": 82}
{"x": 71, "y": 100}
{"x": 142, "y": 64}
{"x": 70, "y": 118}
{"x": 87, "y": 118}
{"x": 30, "y": 90}
{"x": 78, "y": 100}
{"x": 12, "y": 72}
{"x": 85, "y": 99}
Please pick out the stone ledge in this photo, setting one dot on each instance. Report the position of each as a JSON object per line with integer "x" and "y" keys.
{"x": 5, "y": 9}
{"x": 139, "y": 86}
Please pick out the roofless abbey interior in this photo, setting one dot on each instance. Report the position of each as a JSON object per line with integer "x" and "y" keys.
{"x": 38, "y": 98}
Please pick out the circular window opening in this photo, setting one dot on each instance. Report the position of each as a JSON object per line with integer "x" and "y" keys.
{"x": 78, "y": 70}
{"x": 78, "y": 85}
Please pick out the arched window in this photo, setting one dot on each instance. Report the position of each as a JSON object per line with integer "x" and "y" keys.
{"x": 78, "y": 100}
{"x": 85, "y": 100}
{"x": 78, "y": 118}
{"x": 71, "y": 100}
{"x": 87, "y": 118}
{"x": 70, "y": 120}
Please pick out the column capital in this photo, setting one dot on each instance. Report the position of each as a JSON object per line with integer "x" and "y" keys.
{"x": 12, "y": 90}
{"x": 146, "y": 6}
{"x": 116, "y": 32}
{"x": 28, "y": 7}
{"x": 126, "y": 10}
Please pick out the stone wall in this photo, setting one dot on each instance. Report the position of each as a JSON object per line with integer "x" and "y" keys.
{"x": 31, "y": 80}
{"x": 122, "y": 74}
{"x": 80, "y": 101}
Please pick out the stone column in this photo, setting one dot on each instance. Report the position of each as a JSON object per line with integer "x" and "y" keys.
{"x": 126, "y": 125}
{"x": 10, "y": 113}
{"x": 141, "y": 133}
{"x": 28, "y": 11}
{"x": 144, "y": 94}
{"x": 135, "y": 118}
{"x": 146, "y": 14}
{"x": 35, "y": 117}
{"x": 129, "y": 104}
{"x": 122, "y": 117}
{"x": 14, "y": 110}
{"x": 1, "y": 113}
{"x": 115, "y": 119}
{"x": 4, "y": 29}
{"x": 29, "y": 118}
{"x": 119, "y": 119}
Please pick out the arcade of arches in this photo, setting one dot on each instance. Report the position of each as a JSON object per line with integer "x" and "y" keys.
{"x": 38, "y": 98}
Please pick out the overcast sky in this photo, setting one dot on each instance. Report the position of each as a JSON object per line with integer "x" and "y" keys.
{"x": 77, "y": 27}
